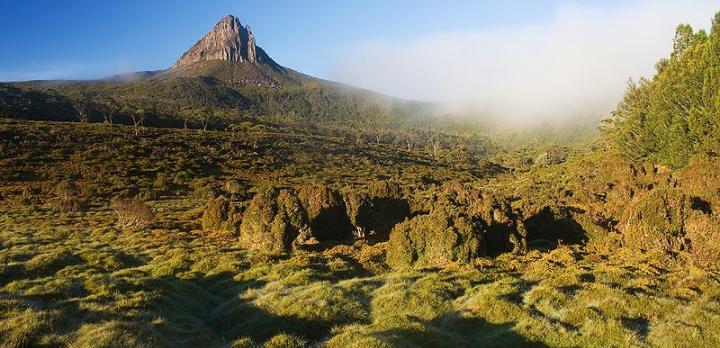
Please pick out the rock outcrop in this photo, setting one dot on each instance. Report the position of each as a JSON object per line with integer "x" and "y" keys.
{"x": 228, "y": 41}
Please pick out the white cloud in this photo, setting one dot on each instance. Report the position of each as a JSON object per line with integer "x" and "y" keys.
{"x": 574, "y": 65}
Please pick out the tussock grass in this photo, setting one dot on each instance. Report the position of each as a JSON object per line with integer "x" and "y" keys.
{"x": 108, "y": 287}
{"x": 75, "y": 279}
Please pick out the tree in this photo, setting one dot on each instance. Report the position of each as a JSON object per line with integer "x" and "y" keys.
{"x": 435, "y": 142}
{"x": 137, "y": 114}
{"x": 108, "y": 109}
{"x": 186, "y": 112}
{"x": 410, "y": 138}
{"x": 684, "y": 38}
{"x": 206, "y": 116}
{"x": 82, "y": 106}
{"x": 674, "y": 115}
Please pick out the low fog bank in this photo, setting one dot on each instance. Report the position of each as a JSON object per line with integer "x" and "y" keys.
{"x": 572, "y": 68}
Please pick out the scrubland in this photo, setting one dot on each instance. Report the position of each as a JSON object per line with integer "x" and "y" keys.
{"x": 192, "y": 238}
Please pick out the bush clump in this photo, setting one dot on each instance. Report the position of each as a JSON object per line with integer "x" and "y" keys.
{"x": 435, "y": 239}
{"x": 326, "y": 213}
{"x": 703, "y": 232}
{"x": 274, "y": 222}
{"x": 220, "y": 216}
{"x": 655, "y": 221}
{"x": 132, "y": 213}
{"x": 374, "y": 210}
{"x": 66, "y": 198}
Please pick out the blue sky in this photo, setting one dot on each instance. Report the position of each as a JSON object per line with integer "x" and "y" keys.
{"x": 50, "y": 39}
{"x": 522, "y": 60}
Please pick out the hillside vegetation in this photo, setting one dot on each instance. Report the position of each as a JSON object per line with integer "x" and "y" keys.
{"x": 675, "y": 114}
{"x": 308, "y": 229}
{"x": 227, "y": 243}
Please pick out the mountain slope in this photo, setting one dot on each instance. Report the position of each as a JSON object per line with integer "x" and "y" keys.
{"x": 225, "y": 75}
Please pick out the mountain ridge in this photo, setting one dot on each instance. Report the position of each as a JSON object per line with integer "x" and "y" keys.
{"x": 229, "y": 41}
{"x": 225, "y": 74}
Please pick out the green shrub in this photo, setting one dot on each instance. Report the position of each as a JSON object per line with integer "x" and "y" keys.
{"x": 703, "y": 232}
{"x": 234, "y": 188}
{"x": 132, "y": 213}
{"x": 274, "y": 222}
{"x": 436, "y": 239}
{"x": 326, "y": 213}
{"x": 204, "y": 188}
{"x": 66, "y": 198}
{"x": 220, "y": 216}
{"x": 655, "y": 221}
{"x": 701, "y": 179}
{"x": 674, "y": 115}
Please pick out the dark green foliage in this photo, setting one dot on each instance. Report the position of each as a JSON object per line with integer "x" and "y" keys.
{"x": 436, "y": 239}
{"x": 502, "y": 231}
{"x": 234, "y": 188}
{"x": 674, "y": 115}
{"x": 274, "y": 222}
{"x": 326, "y": 213}
{"x": 221, "y": 215}
{"x": 703, "y": 233}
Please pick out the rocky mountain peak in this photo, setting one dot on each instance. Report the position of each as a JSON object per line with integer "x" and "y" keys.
{"x": 228, "y": 41}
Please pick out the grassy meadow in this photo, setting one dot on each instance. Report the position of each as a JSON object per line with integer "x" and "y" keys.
{"x": 71, "y": 276}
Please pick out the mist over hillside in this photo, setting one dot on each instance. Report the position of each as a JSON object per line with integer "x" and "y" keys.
{"x": 230, "y": 201}
{"x": 572, "y": 67}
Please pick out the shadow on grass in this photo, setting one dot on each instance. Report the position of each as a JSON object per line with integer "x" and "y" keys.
{"x": 455, "y": 330}
{"x": 209, "y": 309}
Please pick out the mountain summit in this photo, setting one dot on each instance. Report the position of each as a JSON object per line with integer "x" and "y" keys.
{"x": 228, "y": 41}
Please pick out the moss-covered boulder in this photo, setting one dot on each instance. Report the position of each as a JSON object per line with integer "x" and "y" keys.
{"x": 274, "y": 222}
{"x": 221, "y": 215}
{"x": 655, "y": 221}
{"x": 436, "y": 239}
{"x": 326, "y": 212}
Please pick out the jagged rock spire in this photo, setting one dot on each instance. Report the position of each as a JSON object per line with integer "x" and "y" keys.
{"x": 228, "y": 41}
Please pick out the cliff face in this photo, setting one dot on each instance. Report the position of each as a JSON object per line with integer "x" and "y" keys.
{"x": 228, "y": 41}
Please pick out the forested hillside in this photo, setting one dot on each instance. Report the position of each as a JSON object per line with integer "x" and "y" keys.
{"x": 675, "y": 114}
